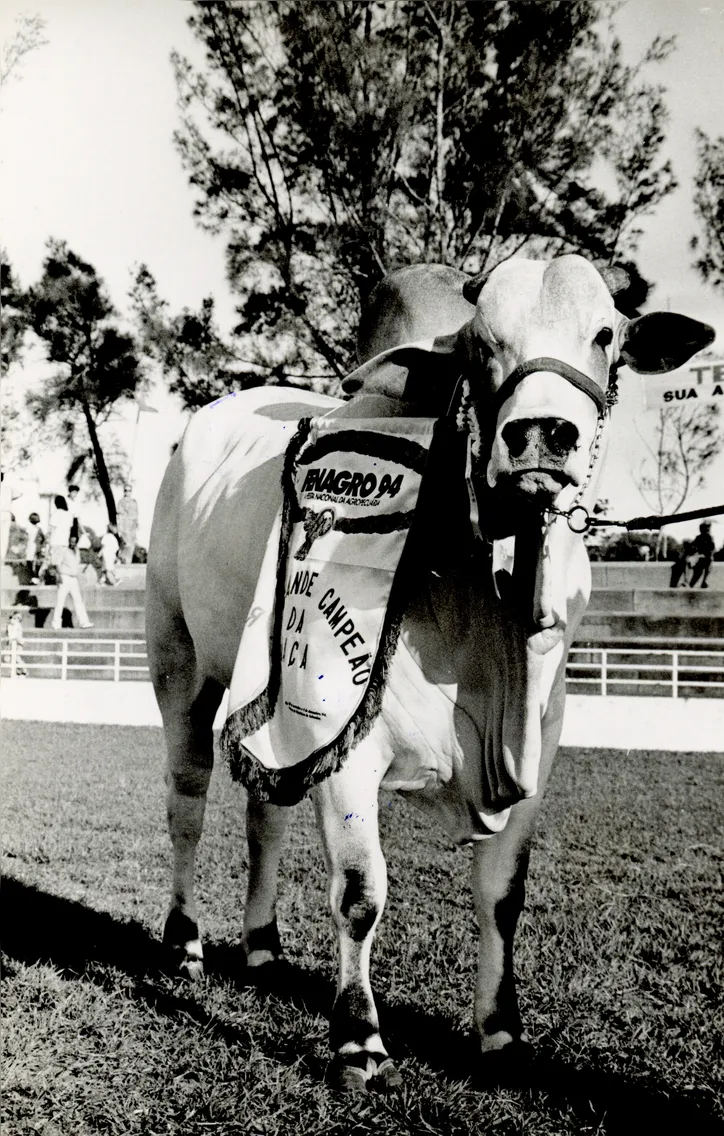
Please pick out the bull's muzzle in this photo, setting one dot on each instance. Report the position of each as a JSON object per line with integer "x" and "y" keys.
{"x": 533, "y": 457}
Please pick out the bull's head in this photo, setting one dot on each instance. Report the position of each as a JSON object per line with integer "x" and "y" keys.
{"x": 538, "y": 344}
{"x": 549, "y": 337}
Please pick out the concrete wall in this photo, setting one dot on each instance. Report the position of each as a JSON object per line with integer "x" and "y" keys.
{"x": 671, "y": 724}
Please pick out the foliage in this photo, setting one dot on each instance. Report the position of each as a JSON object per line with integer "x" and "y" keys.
{"x": 687, "y": 439}
{"x": 188, "y": 347}
{"x": 709, "y": 209}
{"x": 13, "y": 325}
{"x": 332, "y": 143}
{"x": 70, "y": 312}
{"x": 28, "y": 37}
{"x": 618, "y": 958}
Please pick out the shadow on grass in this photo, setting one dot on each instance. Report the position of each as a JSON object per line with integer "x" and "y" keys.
{"x": 38, "y": 927}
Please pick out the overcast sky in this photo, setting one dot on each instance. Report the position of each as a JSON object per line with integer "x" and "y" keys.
{"x": 87, "y": 156}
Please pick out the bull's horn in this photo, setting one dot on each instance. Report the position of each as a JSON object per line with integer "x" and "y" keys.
{"x": 473, "y": 287}
{"x": 615, "y": 278}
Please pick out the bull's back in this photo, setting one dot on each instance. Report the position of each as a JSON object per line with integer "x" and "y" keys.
{"x": 214, "y": 513}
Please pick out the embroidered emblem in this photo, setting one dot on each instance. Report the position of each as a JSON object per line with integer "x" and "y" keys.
{"x": 315, "y": 525}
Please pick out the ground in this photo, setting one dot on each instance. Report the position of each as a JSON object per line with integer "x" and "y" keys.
{"x": 618, "y": 957}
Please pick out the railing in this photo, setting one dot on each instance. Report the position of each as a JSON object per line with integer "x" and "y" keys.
{"x": 696, "y": 666}
{"x": 681, "y": 671}
{"x": 114, "y": 659}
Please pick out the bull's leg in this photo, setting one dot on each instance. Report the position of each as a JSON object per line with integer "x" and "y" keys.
{"x": 265, "y": 828}
{"x": 188, "y": 704}
{"x": 346, "y": 807}
{"x": 498, "y": 882}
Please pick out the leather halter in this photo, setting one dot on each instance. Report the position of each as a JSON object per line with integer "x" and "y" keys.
{"x": 565, "y": 370}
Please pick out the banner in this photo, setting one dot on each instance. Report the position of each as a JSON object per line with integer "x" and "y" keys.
{"x": 700, "y": 381}
{"x": 354, "y": 491}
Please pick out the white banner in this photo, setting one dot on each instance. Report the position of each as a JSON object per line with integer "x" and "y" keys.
{"x": 357, "y": 505}
{"x": 700, "y": 381}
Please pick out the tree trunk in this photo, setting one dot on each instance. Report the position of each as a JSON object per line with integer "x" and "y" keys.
{"x": 100, "y": 462}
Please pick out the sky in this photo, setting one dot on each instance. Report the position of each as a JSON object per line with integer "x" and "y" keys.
{"x": 86, "y": 155}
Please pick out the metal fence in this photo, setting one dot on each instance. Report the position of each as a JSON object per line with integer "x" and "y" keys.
{"x": 65, "y": 658}
{"x": 694, "y": 667}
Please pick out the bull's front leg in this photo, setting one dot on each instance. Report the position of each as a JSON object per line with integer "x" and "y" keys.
{"x": 265, "y": 828}
{"x": 347, "y": 815}
{"x": 499, "y": 870}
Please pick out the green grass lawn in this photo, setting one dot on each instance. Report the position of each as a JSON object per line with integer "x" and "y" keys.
{"x": 618, "y": 958}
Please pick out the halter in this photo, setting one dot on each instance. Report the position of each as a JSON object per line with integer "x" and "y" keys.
{"x": 467, "y": 421}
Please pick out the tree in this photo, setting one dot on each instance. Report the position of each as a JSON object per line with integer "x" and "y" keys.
{"x": 686, "y": 441}
{"x": 188, "y": 347}
{"x": 709, "y": 209}
{"x": 14, "y": 437}
{"x": 28, "y": 36}
{"x": 332, "y": 143}
{"x": 70, "y": 312}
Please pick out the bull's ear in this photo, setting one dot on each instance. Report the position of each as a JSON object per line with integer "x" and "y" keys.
{"x": 662, "y": 341}
{"x": 473, "y": 287}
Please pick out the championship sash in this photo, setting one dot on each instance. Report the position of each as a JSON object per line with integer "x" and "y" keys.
{"x": 313, "y": 657}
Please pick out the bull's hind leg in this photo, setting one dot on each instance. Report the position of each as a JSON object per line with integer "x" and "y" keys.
{"x": 346, "y": 807}
{"x": 188, "y": 704}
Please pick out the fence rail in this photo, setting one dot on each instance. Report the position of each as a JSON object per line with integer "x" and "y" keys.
{"x": 680, "y": 671}
{"x": 115, "y": 659}
{"x": 694, "y": 667}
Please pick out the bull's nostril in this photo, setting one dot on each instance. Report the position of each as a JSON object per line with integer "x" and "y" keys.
{"x": 515, "y": 436}
{"x": 562, "y": 437}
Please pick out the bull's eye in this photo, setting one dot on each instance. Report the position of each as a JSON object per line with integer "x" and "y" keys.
{"x": 604, "y": 337}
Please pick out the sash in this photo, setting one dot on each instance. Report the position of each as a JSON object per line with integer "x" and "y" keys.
{"x": 314, "y": 653}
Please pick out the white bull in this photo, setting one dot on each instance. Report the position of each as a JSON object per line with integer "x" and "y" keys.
{"x": 473, "y": 705}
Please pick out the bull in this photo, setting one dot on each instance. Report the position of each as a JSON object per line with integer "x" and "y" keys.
{"x": 496, "y": 584}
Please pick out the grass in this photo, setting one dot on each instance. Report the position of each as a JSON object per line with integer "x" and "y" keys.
{"x": 618, "y": 957}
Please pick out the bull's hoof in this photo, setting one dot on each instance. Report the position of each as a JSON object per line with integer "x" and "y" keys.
{"x": 367, "y": 1071}
{"x": 347, "y": 1079}
{"x": 387, "y": 1077}
{"x": 183, "y": 946}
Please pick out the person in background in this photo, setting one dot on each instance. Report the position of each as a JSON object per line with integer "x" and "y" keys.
{"x": 127, "y": 525}
{"x": 15, "y": 636}
{"x": 61, "y": 522}
{"x": 76, "y": 527}
{"x": 68, "y": 567}
{"x": 703, "y": 546}
{"x": 109, "y": 552}
{"x": 7, "y": 496}
{"x": 35, "y": 551}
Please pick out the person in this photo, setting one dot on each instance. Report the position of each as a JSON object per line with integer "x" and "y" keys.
{"x": 109, "y": 552}
{"x": 15, "y": 636}
{"x": 681, "y": 567}
{"x": 35, "y": 552}
{"x": 72, "y": 499}
{"x": 7, "y": 495}
{"x": 127, "y": 525}
{"x": 703, "y": 546}
{"x": 61, "y": 522}
{"x": 68, "y": 567}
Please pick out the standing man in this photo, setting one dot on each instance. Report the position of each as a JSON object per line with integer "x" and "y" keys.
{"x": 76, "y": 527}
{"x": 68, "y": 567}
{"x": 127, "y": 525}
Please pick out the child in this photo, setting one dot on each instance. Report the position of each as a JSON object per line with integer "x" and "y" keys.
{"x": 109, "y": 552}
{"x": 15, "y": 636}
